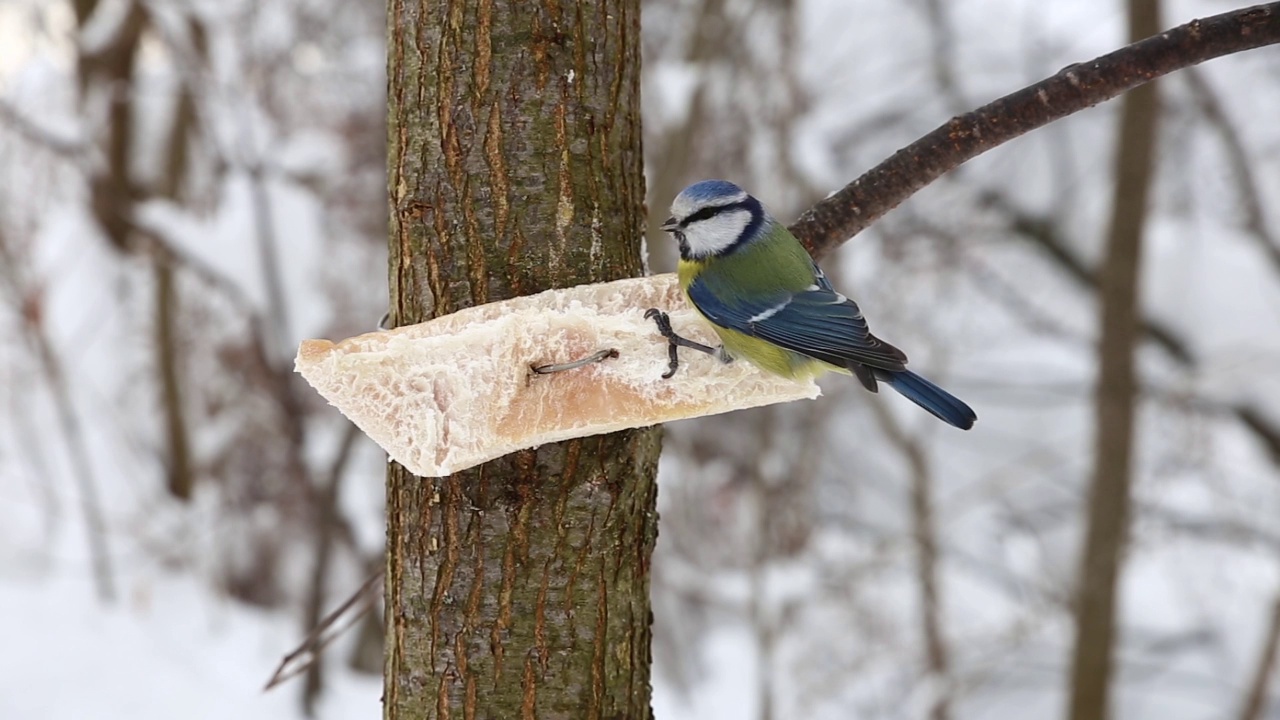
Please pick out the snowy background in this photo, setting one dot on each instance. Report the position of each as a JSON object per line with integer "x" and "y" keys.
{"x": 158, "y": 564}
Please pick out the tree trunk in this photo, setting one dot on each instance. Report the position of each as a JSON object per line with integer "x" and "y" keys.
{"x": 518, "y": 588}
{"x": 1109, "y": 494}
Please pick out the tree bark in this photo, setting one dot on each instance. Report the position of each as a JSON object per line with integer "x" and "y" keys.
{"x": 1110, "y": 491}
{"x": 517, "y": 589}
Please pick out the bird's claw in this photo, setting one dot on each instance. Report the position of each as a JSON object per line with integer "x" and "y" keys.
{"x": 675, "y": 341}
{"x": 663, "y": 321}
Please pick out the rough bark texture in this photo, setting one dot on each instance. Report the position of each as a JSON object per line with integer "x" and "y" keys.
{"x": 518, "y": 589}
{"x": 1110, "y": 494}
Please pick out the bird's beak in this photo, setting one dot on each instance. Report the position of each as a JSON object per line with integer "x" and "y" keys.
{"x": 670, "y": 224}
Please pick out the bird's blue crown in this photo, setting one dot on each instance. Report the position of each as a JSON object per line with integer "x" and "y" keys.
{"x": 709, "y": 190}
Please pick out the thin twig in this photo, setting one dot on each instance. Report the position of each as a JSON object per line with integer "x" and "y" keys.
{"x": 68, "y": 148}
{"x": 326, "y": 529}
{"x": 301, "y": 658}
{"x": 1237, "y": 157}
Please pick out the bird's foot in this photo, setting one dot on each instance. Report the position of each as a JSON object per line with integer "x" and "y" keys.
{"x": 675, "y": 341}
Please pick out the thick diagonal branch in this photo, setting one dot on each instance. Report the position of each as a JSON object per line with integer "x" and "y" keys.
{"x": 1074, "y": 88}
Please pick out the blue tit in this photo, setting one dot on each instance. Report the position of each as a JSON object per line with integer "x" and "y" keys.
{"x": 771, "y": 304}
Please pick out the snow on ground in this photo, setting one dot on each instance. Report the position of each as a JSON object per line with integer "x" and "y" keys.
{"x": 167, "y": 650}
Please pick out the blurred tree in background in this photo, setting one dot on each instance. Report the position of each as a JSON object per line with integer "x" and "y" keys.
{"x": 207, "y": 184}
{"x": 191, "y": 188}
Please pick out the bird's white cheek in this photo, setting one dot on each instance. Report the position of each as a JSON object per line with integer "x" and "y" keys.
{"x": 717, "y": 234}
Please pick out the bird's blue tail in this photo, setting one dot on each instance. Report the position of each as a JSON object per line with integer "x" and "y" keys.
{"x": 945, "y": 406}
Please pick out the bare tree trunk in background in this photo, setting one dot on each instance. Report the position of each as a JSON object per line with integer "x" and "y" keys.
{"x": 180, "y": 479}
{"x": 937, "y": 659}
{"x": 108, "y": 71}
{"x": 937, "y": 656}
{"x": 82, "y": 469}
{"x": 1109, "y": 494}
{"x": 1256, "y": 700}
{"x": 518, "y": 588}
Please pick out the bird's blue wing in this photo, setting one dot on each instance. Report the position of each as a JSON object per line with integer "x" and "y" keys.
{"x": 817, "y": 322}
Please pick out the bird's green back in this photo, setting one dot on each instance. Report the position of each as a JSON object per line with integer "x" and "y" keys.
{"x": 773, "y": 265}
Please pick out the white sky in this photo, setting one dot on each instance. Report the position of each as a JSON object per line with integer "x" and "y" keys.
{"x": 34, "y": 27}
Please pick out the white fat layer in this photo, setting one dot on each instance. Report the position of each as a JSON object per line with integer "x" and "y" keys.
{"x": 717, "y": 233}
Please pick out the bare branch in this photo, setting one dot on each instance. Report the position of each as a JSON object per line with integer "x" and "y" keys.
{"x": 67, "y": 148}
{"x": 306, "y": 654}
{"x": 1255, "y": 221}
{"x": 1074, "y": 88}
{"x": 326, "y": 529}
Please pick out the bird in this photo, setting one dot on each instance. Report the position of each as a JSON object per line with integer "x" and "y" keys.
{"x": 771, "y": 305}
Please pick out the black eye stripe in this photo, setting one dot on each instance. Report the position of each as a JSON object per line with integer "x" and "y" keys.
{"x": 749, "y": 232}
{"x": 707, "y": 213}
